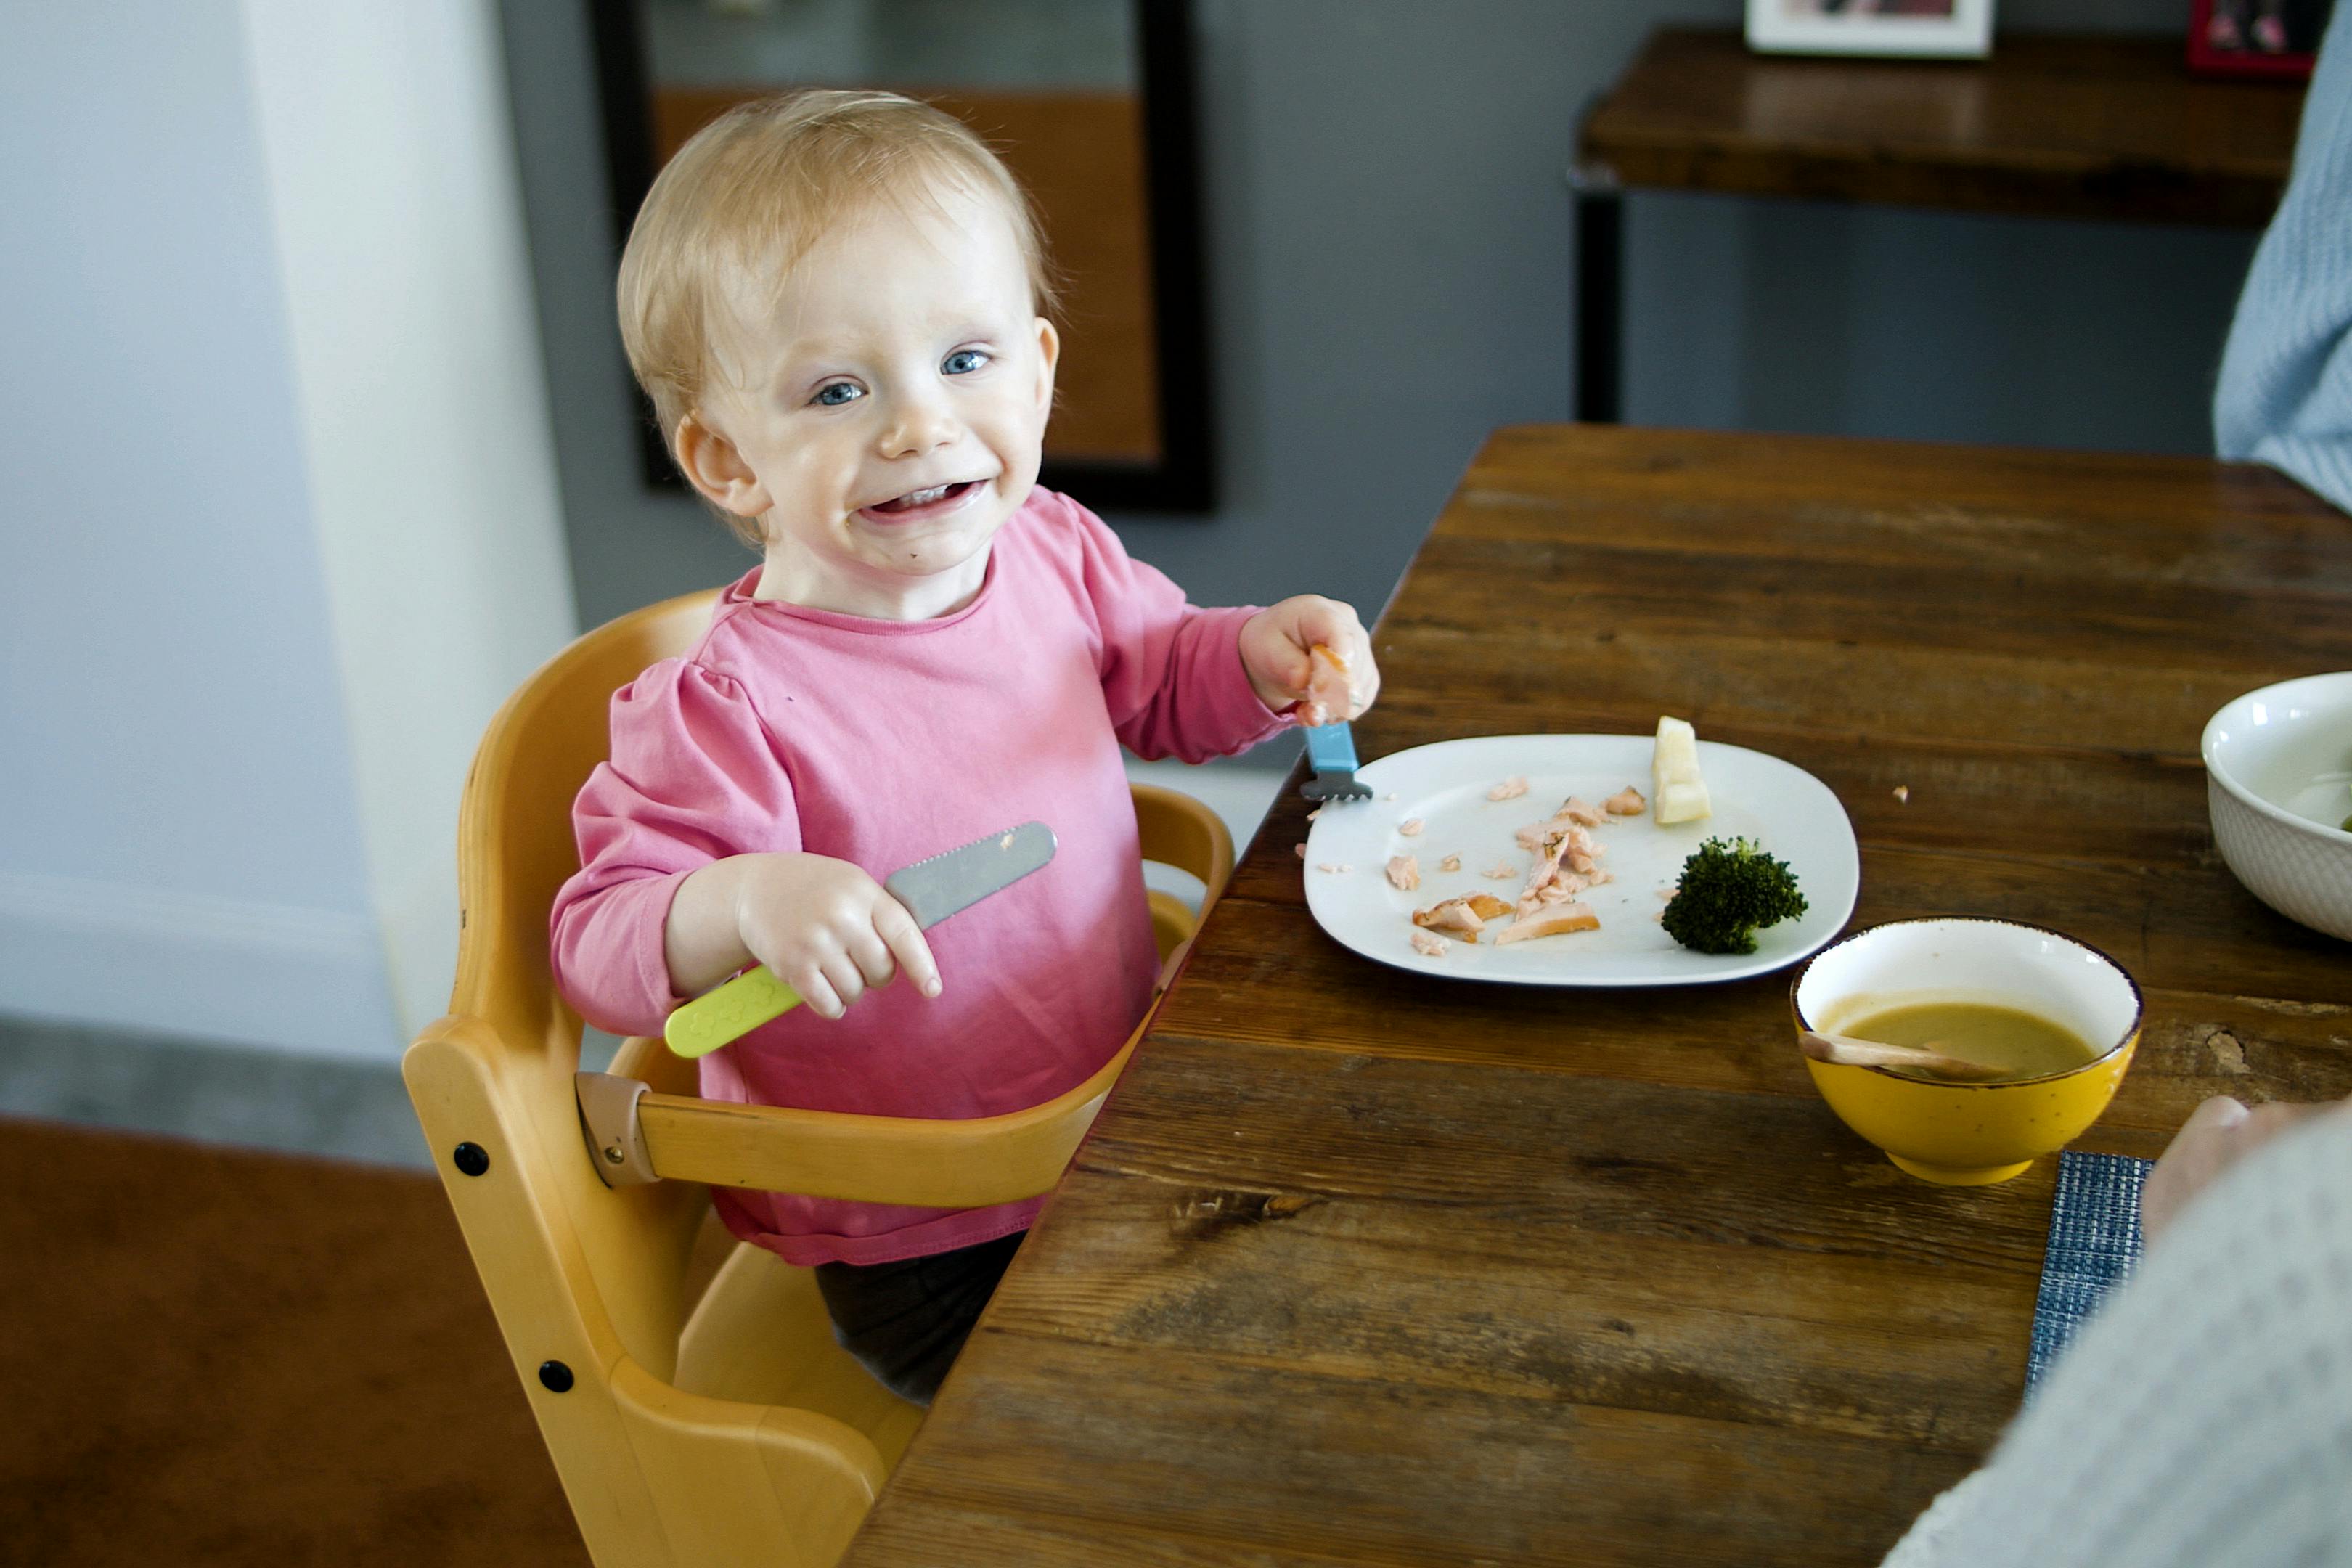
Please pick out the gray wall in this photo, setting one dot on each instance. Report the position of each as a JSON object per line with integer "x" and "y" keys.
{"x": 1390, "y": 247}
{"x": 179, "y": 837}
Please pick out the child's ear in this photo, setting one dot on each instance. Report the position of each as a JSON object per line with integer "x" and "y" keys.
{"x": 713, "y": 466}
{"x": 1049, "y": 354}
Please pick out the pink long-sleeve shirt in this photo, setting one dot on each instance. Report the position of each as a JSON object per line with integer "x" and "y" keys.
{"x": 882, "y": 742}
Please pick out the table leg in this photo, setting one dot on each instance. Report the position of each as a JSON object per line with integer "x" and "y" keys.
{"x": 1600, "y": 298}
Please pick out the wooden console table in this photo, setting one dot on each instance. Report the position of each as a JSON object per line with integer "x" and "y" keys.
{"x": 2111, "y": 127}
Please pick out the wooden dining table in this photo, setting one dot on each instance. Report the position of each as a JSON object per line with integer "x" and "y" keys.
{"x": 1365, "y": 1265}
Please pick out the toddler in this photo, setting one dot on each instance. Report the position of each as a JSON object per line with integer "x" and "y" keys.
{"x": 837, "y": 301}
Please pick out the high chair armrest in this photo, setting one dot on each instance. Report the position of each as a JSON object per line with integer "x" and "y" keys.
{"x": 968, "y": 1164}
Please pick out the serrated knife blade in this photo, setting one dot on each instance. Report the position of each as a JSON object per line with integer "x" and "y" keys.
{"x": 935, "y": 888}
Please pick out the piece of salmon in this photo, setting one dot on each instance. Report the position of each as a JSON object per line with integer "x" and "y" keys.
{"x": 1452, "y": 916}
{"x": 1569, "y": 863}
{"x": 1461, "y": 916}
{"x": 1404, "y": 872}
{"x": 1573, "y": 814}
{"x": 1328, "y": 698}
{"x": 1557, "y": 921}
{"x": 1429, "y": 943}
{"x": 1537, "y": 835}
{"x": 1509, "y": 789}
{"x": 1626, "y": 802}
{"x": 1547, "y": 866}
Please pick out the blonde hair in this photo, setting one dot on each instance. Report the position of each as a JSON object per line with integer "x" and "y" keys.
{"x": 756, "y": 189}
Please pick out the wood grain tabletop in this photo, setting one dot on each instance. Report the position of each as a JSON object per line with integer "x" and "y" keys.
{"x": 2102, "y": 127}
{"x": 1365, "y": 1266}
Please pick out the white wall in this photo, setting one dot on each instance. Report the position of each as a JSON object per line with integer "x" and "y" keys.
{"x": 398, "y": 223}
{"x": 276, "y": 508}
{"x": 179, "y": 839}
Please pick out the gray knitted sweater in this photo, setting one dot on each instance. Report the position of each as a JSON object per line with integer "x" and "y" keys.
{"x": 2286, "y": 393}
{"x": 2204, "y": 1418}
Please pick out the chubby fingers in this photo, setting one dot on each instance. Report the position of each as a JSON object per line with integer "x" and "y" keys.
{"x": 844, "y": 978}
{"x": 816, "y": 992}
{"x": 830, "y": 983}
{"x": 904, "y": 939}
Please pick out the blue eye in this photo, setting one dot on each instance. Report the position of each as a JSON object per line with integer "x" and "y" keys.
{"x": 963, "y": 362}
{"x": 833, "y": 394}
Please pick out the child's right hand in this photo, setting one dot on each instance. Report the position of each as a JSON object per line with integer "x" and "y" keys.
{"x": 821, "y": 925}
{"x": 828, "y": 931}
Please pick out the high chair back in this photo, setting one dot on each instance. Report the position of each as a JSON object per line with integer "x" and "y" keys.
{"x": 692, "y": 1429}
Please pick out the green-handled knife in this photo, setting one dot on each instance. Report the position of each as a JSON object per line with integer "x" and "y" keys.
{"x": 932, "y": 890}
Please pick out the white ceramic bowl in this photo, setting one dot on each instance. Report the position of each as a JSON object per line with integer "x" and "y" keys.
{"x": 2278, "y": 782}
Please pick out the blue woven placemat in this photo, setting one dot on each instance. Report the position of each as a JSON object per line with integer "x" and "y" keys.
{"x": 2094, "y": 1242}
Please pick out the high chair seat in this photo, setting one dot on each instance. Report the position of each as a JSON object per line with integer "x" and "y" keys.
{"x": 692, "y": 1425}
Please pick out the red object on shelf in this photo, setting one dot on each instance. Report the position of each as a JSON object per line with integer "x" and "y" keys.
{"x": 2301, "y": 24}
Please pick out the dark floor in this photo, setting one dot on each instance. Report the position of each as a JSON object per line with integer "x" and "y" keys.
{"x": 213, "y": 1355}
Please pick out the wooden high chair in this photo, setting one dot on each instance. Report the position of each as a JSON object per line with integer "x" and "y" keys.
{"x": 693, "y": 1432}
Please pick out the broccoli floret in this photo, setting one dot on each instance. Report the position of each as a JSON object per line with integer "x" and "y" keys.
{"x": 1729, "y": 889}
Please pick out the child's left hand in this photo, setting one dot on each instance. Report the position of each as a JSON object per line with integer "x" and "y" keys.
{"x": 1275, "y": 646}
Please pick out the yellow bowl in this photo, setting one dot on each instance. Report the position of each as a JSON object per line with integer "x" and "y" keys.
{"x": 1970, "y": 1134}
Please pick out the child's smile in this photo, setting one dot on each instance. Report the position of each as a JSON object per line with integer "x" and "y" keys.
{"x": 920, "y": 504}
{"x": 882, "y": 412}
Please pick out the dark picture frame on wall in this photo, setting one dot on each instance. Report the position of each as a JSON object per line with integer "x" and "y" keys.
{"x": 1133, "y": 428}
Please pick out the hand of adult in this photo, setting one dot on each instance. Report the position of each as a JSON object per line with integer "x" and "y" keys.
{"x": 2217, "y": 1135}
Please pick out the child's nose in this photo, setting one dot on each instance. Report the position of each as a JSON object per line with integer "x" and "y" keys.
{"x": 918, "y": 425}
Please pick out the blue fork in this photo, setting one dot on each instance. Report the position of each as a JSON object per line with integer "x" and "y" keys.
{"x": 1332, "y": 753}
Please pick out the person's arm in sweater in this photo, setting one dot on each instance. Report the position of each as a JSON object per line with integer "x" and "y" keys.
{"x": 2286, "y": 390}
{"x": 2203, "y": 1418}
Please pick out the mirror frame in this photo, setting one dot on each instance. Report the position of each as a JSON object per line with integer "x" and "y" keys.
{"x": 1183, "y": 479}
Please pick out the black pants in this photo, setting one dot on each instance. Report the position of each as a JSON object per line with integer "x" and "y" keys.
{"x": 905, "y": 1321}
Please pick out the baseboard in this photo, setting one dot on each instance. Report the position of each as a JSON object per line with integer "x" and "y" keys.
{"x": 348, "y": 1108}
{"x": 304, "y": 980}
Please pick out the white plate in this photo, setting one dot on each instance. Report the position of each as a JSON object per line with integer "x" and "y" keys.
{"x": 1786, "y": 809}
